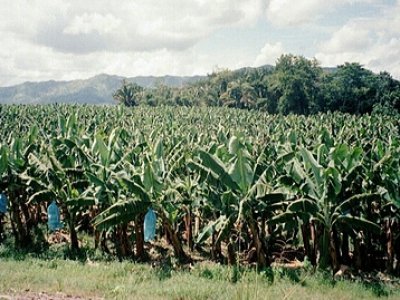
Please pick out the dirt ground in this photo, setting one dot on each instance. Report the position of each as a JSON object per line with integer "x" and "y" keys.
{"x": 28, "y": 295}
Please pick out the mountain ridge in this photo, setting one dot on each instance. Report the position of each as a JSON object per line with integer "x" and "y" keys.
{"x": 97, "y": 89}
{"x": 94, "y": 90}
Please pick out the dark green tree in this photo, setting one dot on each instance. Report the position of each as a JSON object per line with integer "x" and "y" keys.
{"x": 387, "y": 94}
{"x": 351, "y": 89}
{"x": 128, "y": 94}
{"x": 294, "y": 85}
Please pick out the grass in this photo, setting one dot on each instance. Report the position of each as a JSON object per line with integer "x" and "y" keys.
{"x": 90, "y": 274}
{"x": 128, "y": 280}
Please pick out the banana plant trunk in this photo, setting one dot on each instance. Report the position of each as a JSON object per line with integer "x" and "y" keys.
{"x": 13, "y": 227}
{"x": 96, "y": 239}
{"x": 334, "y": 250}
{"x": 231, "y": 254}
{"x": 27, "y": 216}
{"x": 324, "y": 256}
{"x": 174, "y": 239}
{"x": 100, "y": 238}
{"x": 196, "y": 225}
{"x": 345, "y": 249}
{"x": 314, "y": 239}
{"x": 103, "y": 242}
{"x": 305, "y": 231}
{"x": 139, "y": 234}
{"x": 1, "y": 228}
{"x": 262, "y": 258}
{"x": 21, "y": 235}
{"x": 126, "y": 245}
{"x": 359, "y": 254}
{"x": 389, "y": 247}
{"x": 122, "y": 245}
{"x": 216, "y": 253}
{"x": 38, "y": 214}
{"x": 72, "y": 231}
{"x": 329, "y": 256}
{"x": 188, "y": 228}
{"x": 263, "y": 233}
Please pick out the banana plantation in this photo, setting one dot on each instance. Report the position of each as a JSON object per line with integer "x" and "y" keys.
{"x": 233, "y": 186}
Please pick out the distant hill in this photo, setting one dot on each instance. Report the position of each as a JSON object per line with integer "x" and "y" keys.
{"x": 95, "y": 90}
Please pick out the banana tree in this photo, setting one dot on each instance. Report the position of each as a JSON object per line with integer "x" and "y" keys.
{"x": 242, "y": 181}
{"x": 162, "y": 165}
{"x": 189, "y": 194}
{"x": 117, "y": 189}
{"x": 60, "y": 177}
{"x": 112, "y": 166}
{"x": 383, "y": 172}
{"x": 13, "y": 163}
{"x": 58, "y": 173}
{"x": 151, "y": 187}
{"x": 132, "y": 203}
{"x": 322, "y": 184}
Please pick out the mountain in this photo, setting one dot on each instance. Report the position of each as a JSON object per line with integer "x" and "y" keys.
{"x": 95, "y": 90}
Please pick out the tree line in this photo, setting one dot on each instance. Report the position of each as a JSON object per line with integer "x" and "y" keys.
{"x": 296, "y": 85}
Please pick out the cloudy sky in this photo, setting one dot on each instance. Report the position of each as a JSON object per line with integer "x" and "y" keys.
{"x": 63, "y": 40}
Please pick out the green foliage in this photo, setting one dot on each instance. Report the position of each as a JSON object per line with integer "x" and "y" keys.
{"x": 295, "y": 85}
{"x": 128, "y": 94}
{"x": 255, "y": 184}
{"x": 58, "y": 278}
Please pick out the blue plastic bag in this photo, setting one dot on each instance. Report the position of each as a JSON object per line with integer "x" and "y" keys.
{"x": 150, "y": 225}
{"x": 53, "y": 215}
{"x": 3, "y": 203}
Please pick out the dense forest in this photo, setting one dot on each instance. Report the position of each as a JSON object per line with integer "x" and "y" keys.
{"x": 295, "y": 85}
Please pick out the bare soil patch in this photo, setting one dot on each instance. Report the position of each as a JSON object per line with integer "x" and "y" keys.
{"x": 30, "y": 295}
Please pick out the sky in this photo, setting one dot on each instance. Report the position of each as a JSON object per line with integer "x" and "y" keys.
{"x": 64, "y": 40}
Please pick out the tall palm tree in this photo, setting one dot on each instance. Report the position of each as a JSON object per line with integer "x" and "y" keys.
{"x": 128, "y": 94}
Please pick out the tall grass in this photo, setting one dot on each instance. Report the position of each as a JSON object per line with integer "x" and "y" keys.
{"x": 128, "y": 280}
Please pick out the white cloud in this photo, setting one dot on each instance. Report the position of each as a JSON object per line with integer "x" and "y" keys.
{"x": 88, "y": 23}
{"x": 56, "y": 39}
{"x": 373, "y": 42}
{"x": 350, "y": 37}
{"x": 269, "y": 54}
{"x": 288, "y": 12}
{"x": 89, "y": 26}
{"x": 285, "y": 12}
{"x": 23, "y": 61}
